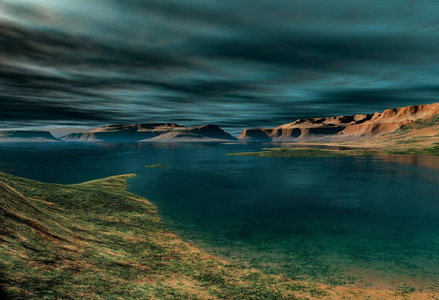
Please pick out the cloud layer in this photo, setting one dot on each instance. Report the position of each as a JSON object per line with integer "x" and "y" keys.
{"x": 233, "y": 63}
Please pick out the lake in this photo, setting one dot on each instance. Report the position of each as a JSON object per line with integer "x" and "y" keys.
{"x": 370, "y": 222}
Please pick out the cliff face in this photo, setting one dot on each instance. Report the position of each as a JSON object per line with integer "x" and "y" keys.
{"x": 393, "y": 119}
{"x": 165, "y": 132}
{"x": 255, "y": 135}
{"x": 26, "y": 136}
{"x": 340, "y": 121}
{"x": 344, "y": 127}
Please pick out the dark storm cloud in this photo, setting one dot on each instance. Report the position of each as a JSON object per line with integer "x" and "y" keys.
{"x": 370, "y": 99}
{"x": 19, "y": 110}
{"x": 233, "y": 63}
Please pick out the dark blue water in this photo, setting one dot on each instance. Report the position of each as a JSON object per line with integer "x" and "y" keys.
{"x": 365, "y": 221}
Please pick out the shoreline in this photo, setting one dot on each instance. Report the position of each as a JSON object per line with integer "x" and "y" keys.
{"x": 321, "y": 150}
{"x": 98, "y": 227}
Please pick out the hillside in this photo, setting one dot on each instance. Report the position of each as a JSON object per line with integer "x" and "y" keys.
{"x": 26, "y": 136}
{"x": 344, "y": 128}
{"x": 96, "y": 240}
{"x": 163, "y": 132}
{"x": 420, "y": 137}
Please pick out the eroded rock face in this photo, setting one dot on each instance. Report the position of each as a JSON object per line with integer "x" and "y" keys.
{"x": 162, "y": 132}
{"x": 340, "y": 121}
{"x": 26, "y": 136}
{"x": 255, "y": 135}
{"x": 344, "y": 127}
{"x": 393, "y": 119}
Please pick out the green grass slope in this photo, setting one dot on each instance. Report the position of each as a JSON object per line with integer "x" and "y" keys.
{"x": 97, "y": 241}
{"x": 305, "y": 152}
{"x": 312, "y": 152}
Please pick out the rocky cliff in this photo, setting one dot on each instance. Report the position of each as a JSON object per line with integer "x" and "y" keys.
{"x": 344, "y": 127}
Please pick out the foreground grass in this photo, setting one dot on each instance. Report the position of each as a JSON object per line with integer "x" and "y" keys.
{"x": 311, "y": 152}
{"x": 97, "y": 241}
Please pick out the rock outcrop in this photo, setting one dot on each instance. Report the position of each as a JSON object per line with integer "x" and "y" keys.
{"x": 255, "y": 135}
{"x": 162, "y": 132}
{"x": 393, "y": 119}
{"x": 26, "y": 136}
{"x": 344, "y": 127}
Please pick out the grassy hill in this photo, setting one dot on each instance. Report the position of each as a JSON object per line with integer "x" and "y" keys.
{"x": 97, "y": 241}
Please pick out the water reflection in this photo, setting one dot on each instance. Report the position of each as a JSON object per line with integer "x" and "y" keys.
{"x": 429, "y": 161}
{"x": 367, "y": 220}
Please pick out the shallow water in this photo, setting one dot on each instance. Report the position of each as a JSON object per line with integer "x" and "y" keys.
{"x": 363, "y": 221}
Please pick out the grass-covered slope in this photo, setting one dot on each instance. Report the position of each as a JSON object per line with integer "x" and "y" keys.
{"x": 312, "y": 152}
{"x": 305, "y": 152}
{"x": 96, "y": 240}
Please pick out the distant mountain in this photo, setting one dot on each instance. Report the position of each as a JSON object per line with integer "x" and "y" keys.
{"x": 26, "y": 136}
{"x": 157, "y": 132}
{"x": 345, "y": 127}
{"x": 339, "y": 128}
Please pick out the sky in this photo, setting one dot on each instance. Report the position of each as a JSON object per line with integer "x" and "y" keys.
{"x": 233, "y": 63}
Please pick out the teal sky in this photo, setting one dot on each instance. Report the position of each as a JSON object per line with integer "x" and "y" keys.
{"x": 233, "y": 63}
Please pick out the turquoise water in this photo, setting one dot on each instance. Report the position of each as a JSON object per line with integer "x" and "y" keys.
{"x": 361, "y": 221}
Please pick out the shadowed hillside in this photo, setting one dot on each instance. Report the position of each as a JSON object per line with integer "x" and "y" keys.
{"x": 166, "y": 132}
{"x": 24, "y": 135}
